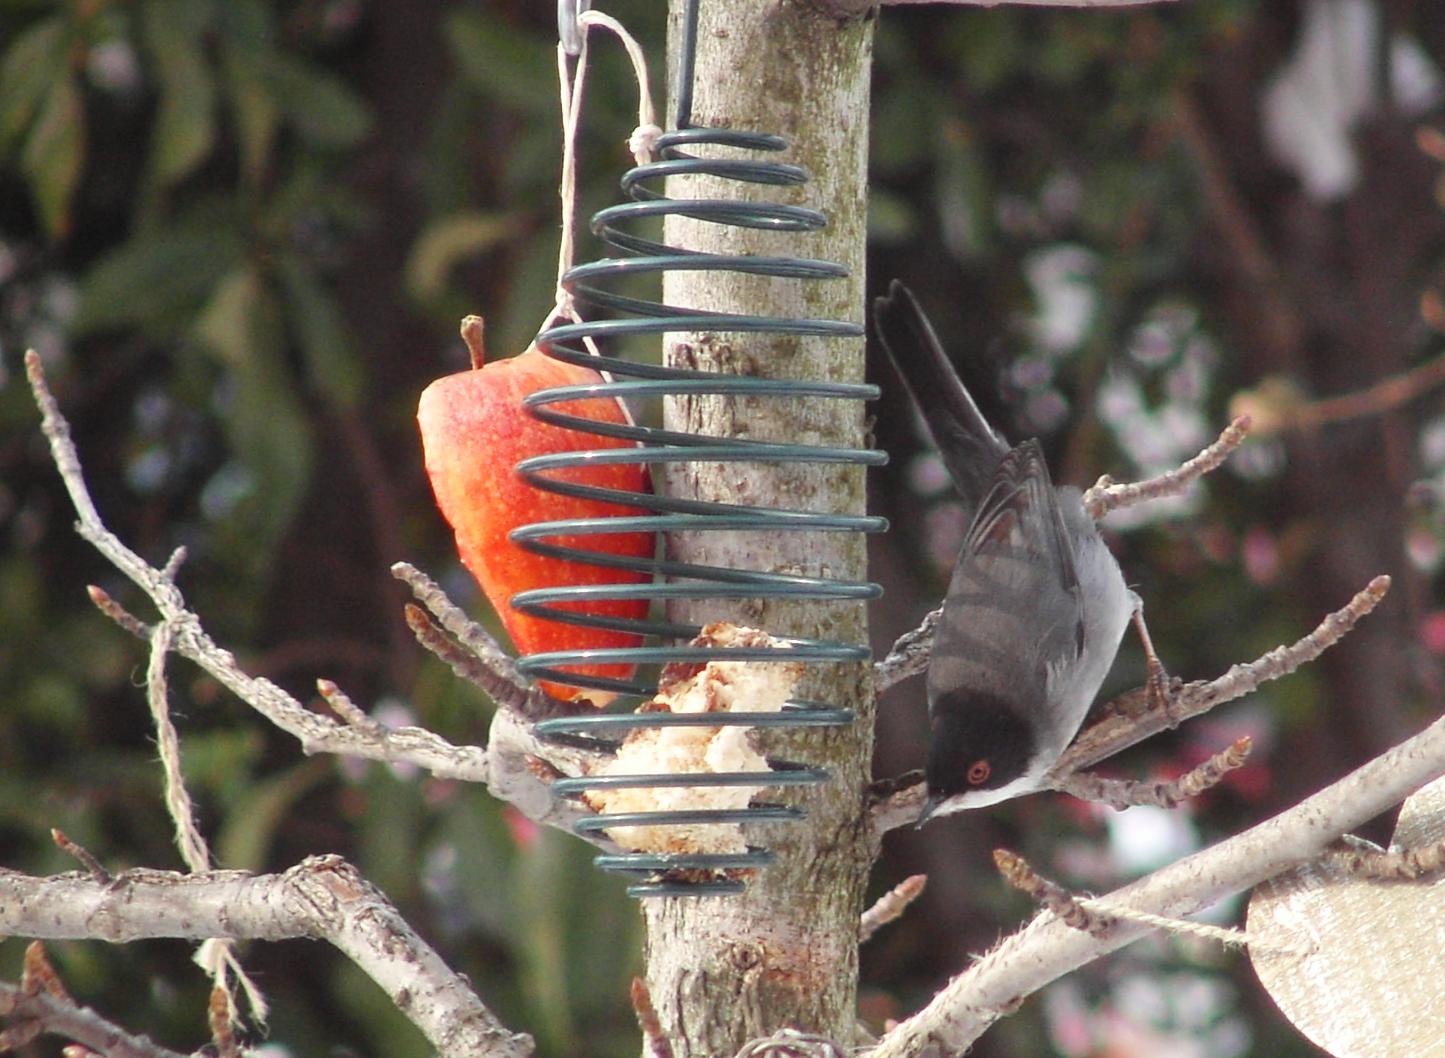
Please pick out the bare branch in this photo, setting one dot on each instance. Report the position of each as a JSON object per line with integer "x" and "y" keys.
{"x": 1126, "y": 727}
{"x": 534, "y": 704}
{"x": 323, "y": 898}
{"x": 647, "y": 1020}
{"x": 221, "y": 1016}
{"x": 1124, "y": 793}
{"x": 891, "y": 905}
{"x": 1128, "y": 722}
{"x": 503, "y": 767}
{"x": 1379, "y": 864}
{"x": 856, "y": 8}
{"x": 39, "y": 975}
{"x": 483, "y": 662}
{"x": 909, "y": 656}
{"x": 342, "y": 705}
{"x": 318, "y": 734}
{"x": 117, "y": 613}
{"x": 41, "y": 1013}
{"x": 1054, "y": 897}
{"x": 911, "y": 653}
{"x": 1046, "y": 948}
{"x": 1107, "y": 495}
{"x": 89, "y": 862}
{"x": 1281, "y": 406}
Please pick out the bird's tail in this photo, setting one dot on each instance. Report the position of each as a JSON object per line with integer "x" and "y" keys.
{"x": 970, "y": 448}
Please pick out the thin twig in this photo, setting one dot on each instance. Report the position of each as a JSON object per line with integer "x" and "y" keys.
{"x": 89, "y": 862}
{"x": 349, "y": 711}
{"x": 891, "y": 905}
{"x": 1125, "y": 793}
{"x": 501, "y": 766}
{"x": 1119, "y": 731}
{"x": 117, "y": 613}
{"x": 909, "y": 656}
{"x": 43, "y": 1013}
{"x": 1017, "y": 872}
{"x": 1279, "y": 406}
{"x": 455, "y": 620}
{"x": 1108, "y": 496}
{"x": 1388, "y": 865}
{"x": 489, "y": 666}
{"x": 461, "y": 661}
{"x": 318, "y": 734}
{"x": 648, "y": 1021}
{"x": 221, "y": 1016}
{"x": 37, "y": 974}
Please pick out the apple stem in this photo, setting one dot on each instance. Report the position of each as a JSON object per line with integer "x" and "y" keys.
{"x": 472, "y": 328}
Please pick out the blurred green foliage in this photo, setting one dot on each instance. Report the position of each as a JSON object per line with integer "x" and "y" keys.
{"x": 180, "y": 216}
{"x": 240, "y": 233}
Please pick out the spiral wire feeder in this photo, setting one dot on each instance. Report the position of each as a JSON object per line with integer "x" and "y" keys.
{"x": 685, "y": 874}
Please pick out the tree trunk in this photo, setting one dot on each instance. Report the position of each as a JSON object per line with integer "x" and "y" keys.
{"x": 723, "y": 970}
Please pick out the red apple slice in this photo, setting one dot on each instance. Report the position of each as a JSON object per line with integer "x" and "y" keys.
{"x": 474, "y": 431}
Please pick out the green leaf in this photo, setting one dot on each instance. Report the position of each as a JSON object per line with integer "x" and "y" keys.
{"x": 158, "y": 281}
{"x": 542, "y": 880}
{"x": 54, "y": 152}
{"x": 246, "y": 46}
{"x": 225, "y": 326}
{"x": 257, "y": 113}
{"x": 965, "y": 195}
{"x": 219, "y": 762}
{"x": 321, "y": 108}
{"x": 514, "y": 68}
{"x": 249, "y": 830}
{"x": 451, "y": 239}
{"x": 30, "y": 68}
{"x": 892, "y": 219}
{"x": 327, "y": 344}
{"x": 265, "y": 423}
{"x": 185, "y": 124}
{"x": 247, "y": 27}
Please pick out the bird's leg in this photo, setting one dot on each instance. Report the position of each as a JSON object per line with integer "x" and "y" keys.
{"x": 1157, "y": 691}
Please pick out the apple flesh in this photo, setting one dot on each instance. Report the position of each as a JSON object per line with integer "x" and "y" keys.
{"x": 474, "y": 431}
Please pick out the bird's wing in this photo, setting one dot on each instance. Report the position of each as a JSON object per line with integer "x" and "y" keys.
{"x": 1014, "y": 609}
{"x": 969, "y": 446}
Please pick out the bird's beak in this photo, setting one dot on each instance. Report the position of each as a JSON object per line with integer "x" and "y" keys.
{"x": 929, "y": 808}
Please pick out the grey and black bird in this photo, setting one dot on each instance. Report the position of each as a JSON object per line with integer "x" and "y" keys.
{"x": 1036, "y": 607}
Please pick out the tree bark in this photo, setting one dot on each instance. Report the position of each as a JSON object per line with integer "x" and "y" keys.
{"x": 724, "y": 970}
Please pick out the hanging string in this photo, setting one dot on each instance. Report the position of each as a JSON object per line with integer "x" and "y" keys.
{"x": 1233, "y": 938}
{"x": 571, "y": 83}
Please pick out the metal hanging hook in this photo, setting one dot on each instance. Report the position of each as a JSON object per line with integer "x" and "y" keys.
{"x": 569, "y": 29}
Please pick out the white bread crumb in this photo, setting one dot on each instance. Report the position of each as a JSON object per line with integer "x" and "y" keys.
{"x": 719, "y": 686}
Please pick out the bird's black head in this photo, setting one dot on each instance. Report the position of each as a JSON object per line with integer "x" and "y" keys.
{"x": 979, "y": 747}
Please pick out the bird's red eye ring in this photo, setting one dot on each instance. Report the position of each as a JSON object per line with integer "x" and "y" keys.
{"x": 979, "y": 772}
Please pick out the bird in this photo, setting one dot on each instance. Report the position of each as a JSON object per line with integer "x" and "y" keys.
{"x": 1036, "y": 606}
